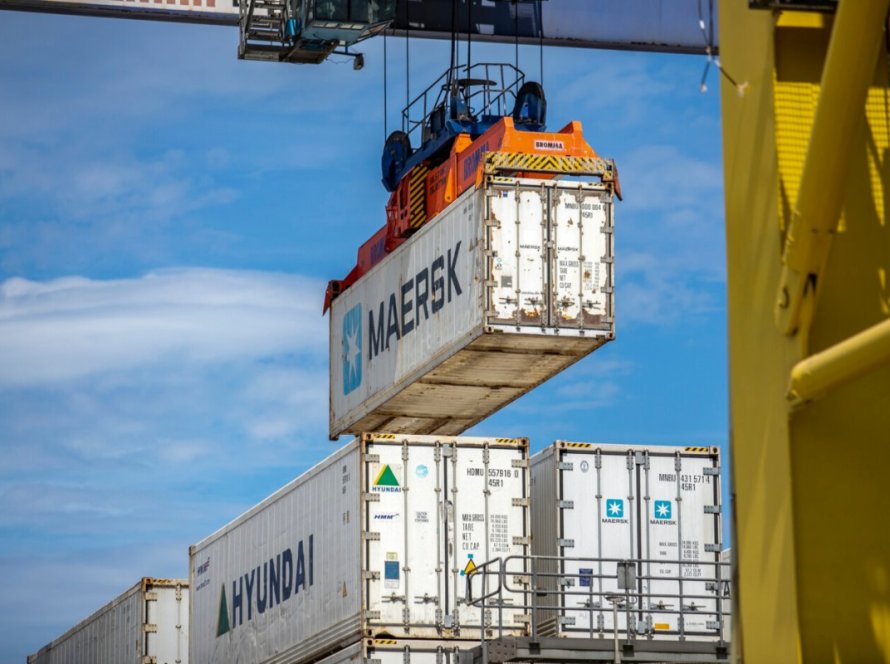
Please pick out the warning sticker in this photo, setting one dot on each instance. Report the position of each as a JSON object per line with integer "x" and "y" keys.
{"x": 391, "y": 570}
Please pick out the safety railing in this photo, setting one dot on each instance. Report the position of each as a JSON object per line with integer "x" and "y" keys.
{"x": 483, "y": 89}
{"x": 600, "y": 597}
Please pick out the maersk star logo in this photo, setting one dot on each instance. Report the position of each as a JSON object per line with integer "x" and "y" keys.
{"x": 352, "y": 349}
{"x": 615, "y": 508}
{"x": 662, "y": 509}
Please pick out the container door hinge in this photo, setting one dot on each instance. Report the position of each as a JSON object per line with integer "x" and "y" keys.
{"x": 371, "y": 497}
{"x": 566, "y": 543}
{"x": 713, "y": 548}
{"x": 567, "y": 582}
{"x": 566, "y": 504}
{"x": 372, "y": 615}
{"x": 369, "y": 575}
{"x": 567, "y": 620}
{"x": 372, "y": 458}
{"x": 600, "y": 623}
{"x": 519, "y": 463}
{"x": 566, "y": 465}
{"x": 711, "y": 470}
{"x": 148, "y": 628}
{"x": 521, "y": 541}
{"x": 151, "y": 596}
{"x": 149, "y": 659}
{"x": 370, "y": 536}
{"x": 713, "y": 624}
{"x": 712, "y": 509}
{"x": 523, "y": 618}
{"x": 373, "y": 660}
{"x": 520, "y": 502}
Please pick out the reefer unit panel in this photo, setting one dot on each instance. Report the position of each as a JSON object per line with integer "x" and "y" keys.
{"x": 148, "y": 623}
{"x": 656, "y": 505}
{"x": 375, "y": 540}
{"x": 511, "y": 284}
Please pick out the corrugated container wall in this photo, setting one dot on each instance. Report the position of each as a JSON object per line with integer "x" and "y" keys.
{"x": 148, "y": 623}
{"x": 650, "y": 504}
{"x": 375, "y": 540}
{"x": 510, "y": 285}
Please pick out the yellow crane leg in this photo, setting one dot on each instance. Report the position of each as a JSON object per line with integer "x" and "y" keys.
{"x": 810, "y": 479}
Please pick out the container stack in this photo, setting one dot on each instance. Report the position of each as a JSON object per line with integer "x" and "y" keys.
{"x": 363, "y": 555}
{"x": 147, "y": 623}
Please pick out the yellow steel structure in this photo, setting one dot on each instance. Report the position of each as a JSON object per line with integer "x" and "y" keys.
{"x": 807, "y": 177}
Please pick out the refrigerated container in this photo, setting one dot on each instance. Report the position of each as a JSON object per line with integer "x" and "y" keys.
{"x": 659, "y": 507}
{"x": 374, "y": 540}
{"x": 508, "y": 286}
{"x": 148, "y": 623}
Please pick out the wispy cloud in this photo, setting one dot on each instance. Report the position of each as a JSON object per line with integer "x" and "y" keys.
{"x": 74, "y": 327}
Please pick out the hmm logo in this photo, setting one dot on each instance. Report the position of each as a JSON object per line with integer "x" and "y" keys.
{"x": 352, "y": 349}
{"x": 386, "y": 480}
{"x": 614, "y": 511}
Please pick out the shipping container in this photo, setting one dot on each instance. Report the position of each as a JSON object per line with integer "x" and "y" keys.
{"x": 148, "y": 623}
{"x": 595, "y": 505}
{"x": 374, "y": 541}
{"x": 507, "y": 287}
{"x": 401, "y": 651}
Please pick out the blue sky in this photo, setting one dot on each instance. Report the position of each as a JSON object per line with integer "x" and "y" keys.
{"x": 168, "y": 219}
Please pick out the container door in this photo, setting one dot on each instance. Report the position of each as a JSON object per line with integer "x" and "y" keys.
{"x": 601, "y": 524}
{"x": 517, "y": 244}
{"x": 681, "y": 496}
{"x": 403, "y": 522}
{"x": 580, "y": 265}
{"x": 484, "y": 488}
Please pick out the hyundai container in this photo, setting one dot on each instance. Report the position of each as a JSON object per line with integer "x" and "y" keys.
{"x": 374, "y": 541}
{"x": 508, "y": 286}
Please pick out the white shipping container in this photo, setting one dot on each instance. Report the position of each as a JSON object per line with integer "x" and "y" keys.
{"x": 148, "y": 623}
{"x": 375, "y": 540}
{"x": 507, "y": 287}
{"x": 628, "y": 502}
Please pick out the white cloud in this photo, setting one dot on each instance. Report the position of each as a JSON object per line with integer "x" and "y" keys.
{"x": 74, "y": 327}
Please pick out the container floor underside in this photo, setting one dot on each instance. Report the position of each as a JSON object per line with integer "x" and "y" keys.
{"x": 475, "y": 382}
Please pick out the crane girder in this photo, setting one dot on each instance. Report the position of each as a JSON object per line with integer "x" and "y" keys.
{"x": 671, "y": 26}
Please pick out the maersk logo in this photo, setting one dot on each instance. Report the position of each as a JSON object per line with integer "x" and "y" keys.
{"x": 352, "y": 349}
{"x": 614, "y": 511}
{"x": 410, "y": 306}
{"x": 663, "y": 509}
{"x": 615, "y": 508}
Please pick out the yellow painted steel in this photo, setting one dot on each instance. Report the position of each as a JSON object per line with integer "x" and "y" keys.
{"x": 811, "y": 486}
{"x": 856, "y": 38}
{"x": 854, "y": 357}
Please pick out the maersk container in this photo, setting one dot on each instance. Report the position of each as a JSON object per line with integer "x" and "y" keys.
{"x": 650, "y": 504}
{"x": 374, "y": 541}
{"x": 148, "y": 623}
{"x": 507, "y": 287}
{"x": 401, "y": 651}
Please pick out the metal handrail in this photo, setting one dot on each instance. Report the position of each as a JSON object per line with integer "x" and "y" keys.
{"x": 495, "y": 99}
{"x": 547, "y": 590}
